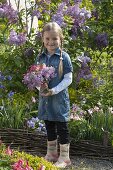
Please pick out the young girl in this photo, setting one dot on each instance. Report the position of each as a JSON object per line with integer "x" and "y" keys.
{"x": 54, "y": 106}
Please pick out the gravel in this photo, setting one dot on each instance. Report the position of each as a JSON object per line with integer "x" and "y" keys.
{"x": 82, "y": 163}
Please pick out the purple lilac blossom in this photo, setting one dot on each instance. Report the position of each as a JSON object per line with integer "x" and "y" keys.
{"x": 84, "y": 71}
{"x": 10, "y": 13}
{"x": 101, "y": 40}
{"x": 2, "y": 12}
{"x": 28, "y": 52}
{"x": 79, "y": 16}
{"x": 38, "y": 35}
{"x": 59, "y": 16}
{"x": 36, "y": 13}
{"x": 17, "y": 39}
{"x": 48, "y": 73}
{"x": 84, "y": 59}
{"x": 73, "y": 10}
{"x": 67, "y": 2}
{"x": 77, "y": 1}
{"x": 95, "y": 14}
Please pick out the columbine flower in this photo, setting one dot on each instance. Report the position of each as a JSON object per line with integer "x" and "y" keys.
{"x": 9, "y": 77}
{"x": 37, "y": 125}
{"x": 10, "y": 94}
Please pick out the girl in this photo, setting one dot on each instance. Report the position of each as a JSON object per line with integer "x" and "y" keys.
{"x": 54, "y": 106}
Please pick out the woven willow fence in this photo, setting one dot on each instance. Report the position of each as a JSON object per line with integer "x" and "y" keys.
{"x": 35, "y": 143}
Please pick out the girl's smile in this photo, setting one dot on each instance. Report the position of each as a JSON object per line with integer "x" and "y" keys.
{"x": 51, "y": 40}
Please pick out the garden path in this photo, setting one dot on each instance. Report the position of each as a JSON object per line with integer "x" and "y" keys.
{"x": 82, "y": 163}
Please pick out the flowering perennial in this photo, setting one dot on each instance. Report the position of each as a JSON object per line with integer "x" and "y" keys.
{"x": 37, "y": 75}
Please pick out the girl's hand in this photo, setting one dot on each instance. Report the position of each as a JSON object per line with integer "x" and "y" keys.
{"x": 48, "y": 93}
{"x": 44, "y": 87}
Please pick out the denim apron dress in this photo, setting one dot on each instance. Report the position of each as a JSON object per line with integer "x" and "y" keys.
{"x": 55, "y": 107}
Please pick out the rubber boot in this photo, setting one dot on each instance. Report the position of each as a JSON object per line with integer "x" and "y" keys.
{"x": 52, "y": 153}
{"x": 63, "y": 160}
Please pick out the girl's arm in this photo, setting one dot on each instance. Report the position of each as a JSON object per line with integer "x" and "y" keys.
{"x": 67, "y": 80}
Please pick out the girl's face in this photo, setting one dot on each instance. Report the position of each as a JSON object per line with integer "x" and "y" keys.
{"x": 51, "y": 40}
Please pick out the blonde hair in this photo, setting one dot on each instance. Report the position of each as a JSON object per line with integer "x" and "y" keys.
{"x": 54, "y": 26}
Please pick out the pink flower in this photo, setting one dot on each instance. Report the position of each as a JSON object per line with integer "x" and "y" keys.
{"x": 18, "y": 165}
{"x": 27, "y": 167}
{"x": 8, "y": 151}
{"x": 37, "y": 68}
{"x": 42, "y": 167}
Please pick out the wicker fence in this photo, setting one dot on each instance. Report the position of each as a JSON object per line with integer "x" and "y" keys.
{"x": 35, "y": 144}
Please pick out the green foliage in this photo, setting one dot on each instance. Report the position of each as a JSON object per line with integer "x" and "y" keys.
{"x": 78, "y": 129}
{"x": 16, "y": 111}
{"x": 91, "y": 123}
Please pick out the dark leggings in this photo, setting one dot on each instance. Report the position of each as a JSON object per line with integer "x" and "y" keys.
{"x": 59, "y": 129}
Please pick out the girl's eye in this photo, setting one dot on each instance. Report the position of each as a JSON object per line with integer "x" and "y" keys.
{"x": 47, "y": 38}
{"x": 54, "y": 38}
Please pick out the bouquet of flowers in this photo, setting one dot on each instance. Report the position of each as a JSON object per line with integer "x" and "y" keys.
{"x": 38, "y": 76}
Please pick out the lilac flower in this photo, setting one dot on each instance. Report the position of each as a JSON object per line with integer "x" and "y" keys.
{"x": 77, "y": 1}
{"x": 67, "y": 2}
{"x": 10, "y": 13}
{"x": 83, "y": 59}
{"x": 84, "y": 71}
{"x": 59, "y": 16}
{"x": 101, "y": 40}
{"x": 36, "y": 13}
{"x": 95, "y": 14}
{"x": 73, "y": 10}
{"x": 29, "y": 52}
{"x": 17, "y": 39}
{"x": 38, "y": 35}
{"x": 2, "y": 12}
